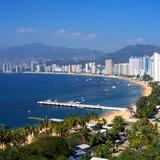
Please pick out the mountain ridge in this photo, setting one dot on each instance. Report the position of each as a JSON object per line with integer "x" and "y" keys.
{"x": 59, "y": 54}
{"x": 122, "y": 55}
{"x": 41, "y": 51}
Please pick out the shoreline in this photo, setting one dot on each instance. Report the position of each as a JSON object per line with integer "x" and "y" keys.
{"x": 146, "y": 91}
{"x": 109, "y": 116}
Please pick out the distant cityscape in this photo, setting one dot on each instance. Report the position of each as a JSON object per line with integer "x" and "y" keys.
{"x": 136, "y": 66}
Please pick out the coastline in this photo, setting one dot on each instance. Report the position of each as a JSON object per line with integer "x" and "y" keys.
{"x": 109, "y": 116}
{"x": 146, "y": 91}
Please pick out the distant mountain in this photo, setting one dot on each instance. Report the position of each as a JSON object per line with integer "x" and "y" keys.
{"x": 125, "y": 53}
{"x": 66, "y": 55}
{"x": 41, "y": 51}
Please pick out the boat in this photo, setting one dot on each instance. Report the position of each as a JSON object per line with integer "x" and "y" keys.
{"x": 113, "y": 87}
{"x": 82, "y": 98}
{"x": 128, "y": 84}
{"x": 71, "y": 102}
{"x": 52, "y": 100}
{"x": 78, "y": 102}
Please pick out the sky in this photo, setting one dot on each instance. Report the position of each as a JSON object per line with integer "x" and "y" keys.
{"x": 98, "y": 24}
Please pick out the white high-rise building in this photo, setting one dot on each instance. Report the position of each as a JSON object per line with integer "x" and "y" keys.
{"x": 93, "y": 68}
{"x": 108, "y": 67}
{"x": 38, "y": 68}
{"x": 155, "y": 66}
{"x": 134, "y": 66}
{"x": 144, "y": 65}
{"x": 54, "y": 67}
{"x": 124, "y": 67}
{"x": 33, "y": 66}
{"x": 18, "y": 68}
{"x": 86, "y": 68}
{"x": 7, "y": 67}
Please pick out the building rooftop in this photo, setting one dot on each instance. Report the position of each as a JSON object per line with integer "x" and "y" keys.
{"x": 97, "y": 158}
{"x": 83, "y": 146}
{"x": 106, "y": 127}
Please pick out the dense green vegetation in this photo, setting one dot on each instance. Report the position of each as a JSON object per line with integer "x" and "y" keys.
{"x": 147, "y": 78}
{"x": 142, "y": 136}
{"x": 15, "y": 143}
{"x": 144, "y": 142}
{"x": 50, "y": 147}
{"x": 146, "y": 106}
{"x": 42, "y": 149}
{"x": 104, "y": 145}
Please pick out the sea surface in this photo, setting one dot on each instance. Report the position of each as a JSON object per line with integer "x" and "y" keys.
{"x": 19, "y": 94}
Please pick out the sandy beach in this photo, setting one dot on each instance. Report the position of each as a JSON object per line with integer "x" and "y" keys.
{"x": 146, "y": 91}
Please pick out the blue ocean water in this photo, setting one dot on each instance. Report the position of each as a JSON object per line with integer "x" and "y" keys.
{"x": 19, "y": 94}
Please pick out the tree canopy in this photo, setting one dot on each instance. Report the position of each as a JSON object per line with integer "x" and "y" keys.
{"x": 43, "y": 148}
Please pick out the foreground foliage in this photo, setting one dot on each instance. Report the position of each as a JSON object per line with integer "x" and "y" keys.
{"x": 144, "y": 142}
{"x": 43, "y": 148}
{"x": 146, "y": 106}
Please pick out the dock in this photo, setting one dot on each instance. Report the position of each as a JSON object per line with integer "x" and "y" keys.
{"x": 56, "y": 120}
{"x": 79, "y": 105}
{"x": 37, "y": 118}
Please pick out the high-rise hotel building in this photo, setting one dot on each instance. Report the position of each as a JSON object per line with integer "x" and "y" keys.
{"x": 155, "y": 66}
{"x": 7, "y": 67}
{"x": 144, "y": 65}
{"x": 108, "y": 67}
{"x": 134, "y": 66}
{"x": 121, "y": 69}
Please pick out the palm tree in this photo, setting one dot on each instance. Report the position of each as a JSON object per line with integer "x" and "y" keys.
{"x": 61, "y": 129}
{"x": 81, "y": 121}
{"x": 5, "y": 136}
{"x": 35, "y": 130}
{"x": 18, "y": 137}
{"x": 118, "y": 123}
{"x": 85, "y": 133}
{"x": 28, "y": 130}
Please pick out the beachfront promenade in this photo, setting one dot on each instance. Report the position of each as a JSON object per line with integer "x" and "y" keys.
{"x": 79, "y": 105}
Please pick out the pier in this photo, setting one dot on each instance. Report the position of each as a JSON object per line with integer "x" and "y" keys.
{"x": 43, "y": 119}
{"x": 36, "y": 118}
{"x": 79, "y": 105}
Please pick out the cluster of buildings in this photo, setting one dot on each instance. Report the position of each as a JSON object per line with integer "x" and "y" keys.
{"x": 135, "y": 66}
{"x": 140, "y": 66}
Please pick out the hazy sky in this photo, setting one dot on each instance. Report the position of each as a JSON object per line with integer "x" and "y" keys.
{"x": 100, "y": 24}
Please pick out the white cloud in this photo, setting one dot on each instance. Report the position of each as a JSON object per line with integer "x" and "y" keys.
{"x": 60, "y": 32}
{"x": 26, "y": 30}
{"x": 76, "y": 35}
{"x": 136, "y": 41}
{"x": 79, "y": 35}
